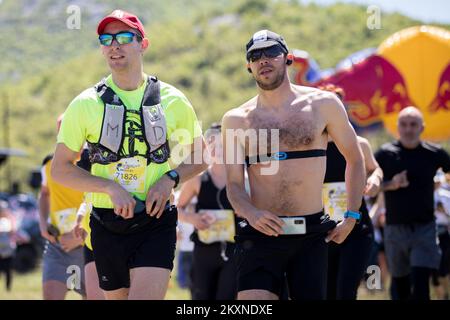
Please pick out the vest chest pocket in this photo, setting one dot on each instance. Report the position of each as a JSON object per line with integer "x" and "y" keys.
{"x": 109, "y": 147}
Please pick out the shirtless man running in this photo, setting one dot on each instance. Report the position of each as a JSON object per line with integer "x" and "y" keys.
{"x": 273, "y": 246}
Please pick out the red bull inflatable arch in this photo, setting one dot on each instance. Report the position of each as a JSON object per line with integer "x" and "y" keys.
{"x": 411, "y": 67}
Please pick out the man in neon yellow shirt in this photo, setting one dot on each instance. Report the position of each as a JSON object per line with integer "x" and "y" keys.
{"x": 128, "y": 121}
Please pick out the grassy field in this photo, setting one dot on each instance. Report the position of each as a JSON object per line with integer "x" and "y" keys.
{"x": 28, "y": 287}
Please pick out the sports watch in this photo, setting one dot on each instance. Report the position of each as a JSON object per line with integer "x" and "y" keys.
{"x": 174, "y": 176}
{"x": 353, "y": 214}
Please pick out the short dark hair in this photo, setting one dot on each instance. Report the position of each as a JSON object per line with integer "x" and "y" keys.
{"x": 214, "y": 128}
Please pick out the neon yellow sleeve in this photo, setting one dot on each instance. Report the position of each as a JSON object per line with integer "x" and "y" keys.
{"x": 188, "y": 120}
{"x": 72, "y": 131}
{"x": 187, "y": 125}
{"x": 82, "y": 120}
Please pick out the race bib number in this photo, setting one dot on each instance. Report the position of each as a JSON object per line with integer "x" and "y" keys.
{"x": 334, "y": 197}
{"x": 221, "y": 229}
{"x": 129, "y": 173}
{"x": 66, "y": 219}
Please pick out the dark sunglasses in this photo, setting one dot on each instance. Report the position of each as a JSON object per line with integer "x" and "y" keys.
{"x": 123, "y": 37}
{"x": 270, "y": 52}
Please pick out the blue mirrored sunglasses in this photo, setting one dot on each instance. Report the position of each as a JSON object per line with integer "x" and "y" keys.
{"x": 123, "y": 37}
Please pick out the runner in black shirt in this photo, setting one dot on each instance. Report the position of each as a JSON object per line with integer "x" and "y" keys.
{"x": 347, "y": 262}
{"x": 213, "y": 265}
{"x": 409, "y": 166}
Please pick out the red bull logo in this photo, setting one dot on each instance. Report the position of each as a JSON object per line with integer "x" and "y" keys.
{"x": 442, "y": 99}
{"x": 373, "y": 88}
{"x": 397, "y": 75}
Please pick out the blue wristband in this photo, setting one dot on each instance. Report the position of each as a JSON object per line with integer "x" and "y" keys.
{"x": 352, "y": 214}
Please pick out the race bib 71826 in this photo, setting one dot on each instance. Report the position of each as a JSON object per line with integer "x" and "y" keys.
{"x": 129, "y": 173}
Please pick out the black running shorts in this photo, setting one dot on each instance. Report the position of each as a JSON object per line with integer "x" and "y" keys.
{"x": 115, "y": 254}
{"x": 267, "y": 262}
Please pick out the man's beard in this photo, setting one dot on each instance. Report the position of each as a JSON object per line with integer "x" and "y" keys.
{"x": 274, "y": 84}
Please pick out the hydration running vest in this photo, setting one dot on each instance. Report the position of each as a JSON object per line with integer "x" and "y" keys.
{"x": 109, "y": 147}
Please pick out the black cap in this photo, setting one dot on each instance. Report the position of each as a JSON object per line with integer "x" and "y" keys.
{"x": 265, "y": 39}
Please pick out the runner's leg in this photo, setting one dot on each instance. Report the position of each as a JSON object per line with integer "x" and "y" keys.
{"x": 149, "y": 283}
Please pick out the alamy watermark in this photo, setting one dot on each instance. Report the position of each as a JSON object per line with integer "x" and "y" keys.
{"x": 73, "y": 21}
{"x": 242, "y": 146}
{"x": 74, "y": 280}
{"x": 373, "y": 281}
{"x": 374, "y": 17}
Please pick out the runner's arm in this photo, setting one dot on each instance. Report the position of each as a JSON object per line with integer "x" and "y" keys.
{"x": 194, "y": 164}
{"x": 188, "y": 191}
{"x": 400, "y": 180}
{"x": 44, "y": 205}
{"x": 374, "y": 172}
{"x": 67, "y": 173}
{"x": 234, "y": 156}
{"x": 191, "y": 166}
{"x": 44, "y": 209}
{"x": 262, "y": 220}
{"x": 345, "y": 138}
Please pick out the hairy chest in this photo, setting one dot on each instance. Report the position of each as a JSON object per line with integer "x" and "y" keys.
{"x": 293, "y": 130}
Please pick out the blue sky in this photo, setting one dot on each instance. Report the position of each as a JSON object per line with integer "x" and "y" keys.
{"x": 428, "y": 11}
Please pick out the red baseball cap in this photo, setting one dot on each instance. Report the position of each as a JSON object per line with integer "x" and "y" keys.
{"x": 119, "y": 15}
